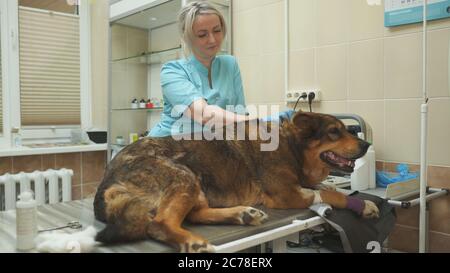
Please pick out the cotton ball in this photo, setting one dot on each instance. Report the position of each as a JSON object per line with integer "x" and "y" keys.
{"x": 60, "y": 242}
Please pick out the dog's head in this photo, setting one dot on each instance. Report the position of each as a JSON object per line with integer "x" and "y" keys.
{"x": 326, "y": 145}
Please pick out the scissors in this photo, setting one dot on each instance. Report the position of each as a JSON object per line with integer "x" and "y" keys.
{"x": 71, "y": 224}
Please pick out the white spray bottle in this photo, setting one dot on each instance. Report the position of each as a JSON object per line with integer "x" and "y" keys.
{"x": 359, "y": 179}
{"x": 371, "y": 160}
{"x": 26, "y": 221}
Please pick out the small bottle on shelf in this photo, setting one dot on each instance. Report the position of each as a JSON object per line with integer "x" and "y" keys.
{"x": 16, "y": 137}
{"x": 134, "y": 104}
{"x": 133, "y": 137}
{"x": 142, "y": 103}
{"x": 156, "y": 102}
{"x": 120, "y": 140}
{"x": 149, "y": 104}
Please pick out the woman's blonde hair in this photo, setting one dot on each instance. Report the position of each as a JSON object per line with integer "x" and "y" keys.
{"x": 186, "y": 19}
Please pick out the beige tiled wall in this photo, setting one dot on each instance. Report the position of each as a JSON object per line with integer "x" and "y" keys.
{"x": 88, "y": 168}
{"x": 361, "y": 67}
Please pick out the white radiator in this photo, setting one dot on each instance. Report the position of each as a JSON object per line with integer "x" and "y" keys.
{"x": 51, "y": 186}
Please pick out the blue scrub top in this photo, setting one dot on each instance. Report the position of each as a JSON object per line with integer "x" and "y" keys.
{"x": 185, "y": 81}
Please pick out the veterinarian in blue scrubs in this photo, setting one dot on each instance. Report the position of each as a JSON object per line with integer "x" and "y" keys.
{"x": 198, "y": 89}
{"x": 201, "y": 89}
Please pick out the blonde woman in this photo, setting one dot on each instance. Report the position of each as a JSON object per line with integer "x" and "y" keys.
{"x": 198, "y": 89}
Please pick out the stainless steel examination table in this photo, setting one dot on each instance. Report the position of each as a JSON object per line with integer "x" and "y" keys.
{"x": 281, "y": 226}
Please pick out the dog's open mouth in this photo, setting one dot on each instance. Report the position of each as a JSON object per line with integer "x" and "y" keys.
{"x": 338, "y": 162}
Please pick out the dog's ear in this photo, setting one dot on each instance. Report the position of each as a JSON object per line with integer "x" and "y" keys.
{"x": 307, "y": 123}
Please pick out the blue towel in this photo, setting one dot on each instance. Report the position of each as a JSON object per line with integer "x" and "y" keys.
{"x": 385, "y": 178}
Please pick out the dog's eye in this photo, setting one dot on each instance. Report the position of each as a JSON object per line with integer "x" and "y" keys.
{"x": 334, "y": 133}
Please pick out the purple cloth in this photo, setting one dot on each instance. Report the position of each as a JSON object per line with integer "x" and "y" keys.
{"x": 355, "y": 204}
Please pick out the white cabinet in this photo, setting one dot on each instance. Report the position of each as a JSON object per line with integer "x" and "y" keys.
{"x": 143, "y": 36}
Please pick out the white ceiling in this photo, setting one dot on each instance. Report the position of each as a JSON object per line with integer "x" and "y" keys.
{"x": 153, "y": 17}
{"x": 163, "y": 14}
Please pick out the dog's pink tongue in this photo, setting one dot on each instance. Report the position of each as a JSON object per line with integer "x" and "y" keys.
{"x": 342, "y": 162}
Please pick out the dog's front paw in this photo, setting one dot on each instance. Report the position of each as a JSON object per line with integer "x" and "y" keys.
{"x": 370, "y": 210}
{"x": 197, "y": 246}
{"x": 252, "y": 216}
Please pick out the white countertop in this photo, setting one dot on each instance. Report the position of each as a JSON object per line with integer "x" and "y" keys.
{"x": 21, "y": 151}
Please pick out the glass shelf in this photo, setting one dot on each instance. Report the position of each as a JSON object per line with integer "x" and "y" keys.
{"x": 159, "y": 57}
{"x": 138, "y": 109}
{"x": 154, "y": 57}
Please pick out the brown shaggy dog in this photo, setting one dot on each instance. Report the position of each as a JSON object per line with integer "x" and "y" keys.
{"x": 155, "y": 184}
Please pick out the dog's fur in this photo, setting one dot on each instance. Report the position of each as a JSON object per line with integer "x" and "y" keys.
{"x": 155, "y": 184}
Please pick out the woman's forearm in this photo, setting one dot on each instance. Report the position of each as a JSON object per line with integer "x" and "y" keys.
{"x": 215, "y": 115}
{"x": 212, "y": 115}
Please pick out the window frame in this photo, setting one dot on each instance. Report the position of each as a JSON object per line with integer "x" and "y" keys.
{"x": 5, "y": 138}
{"x": 41, "y": 134}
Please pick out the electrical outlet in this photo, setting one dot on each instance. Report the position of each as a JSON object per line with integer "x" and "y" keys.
{"x": 292, "y": 96}
{"x": 316, "y": 93}
{"x": 289, "y": 97}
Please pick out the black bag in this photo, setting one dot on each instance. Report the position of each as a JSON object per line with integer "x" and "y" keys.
{"x": 354, "y": 234}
